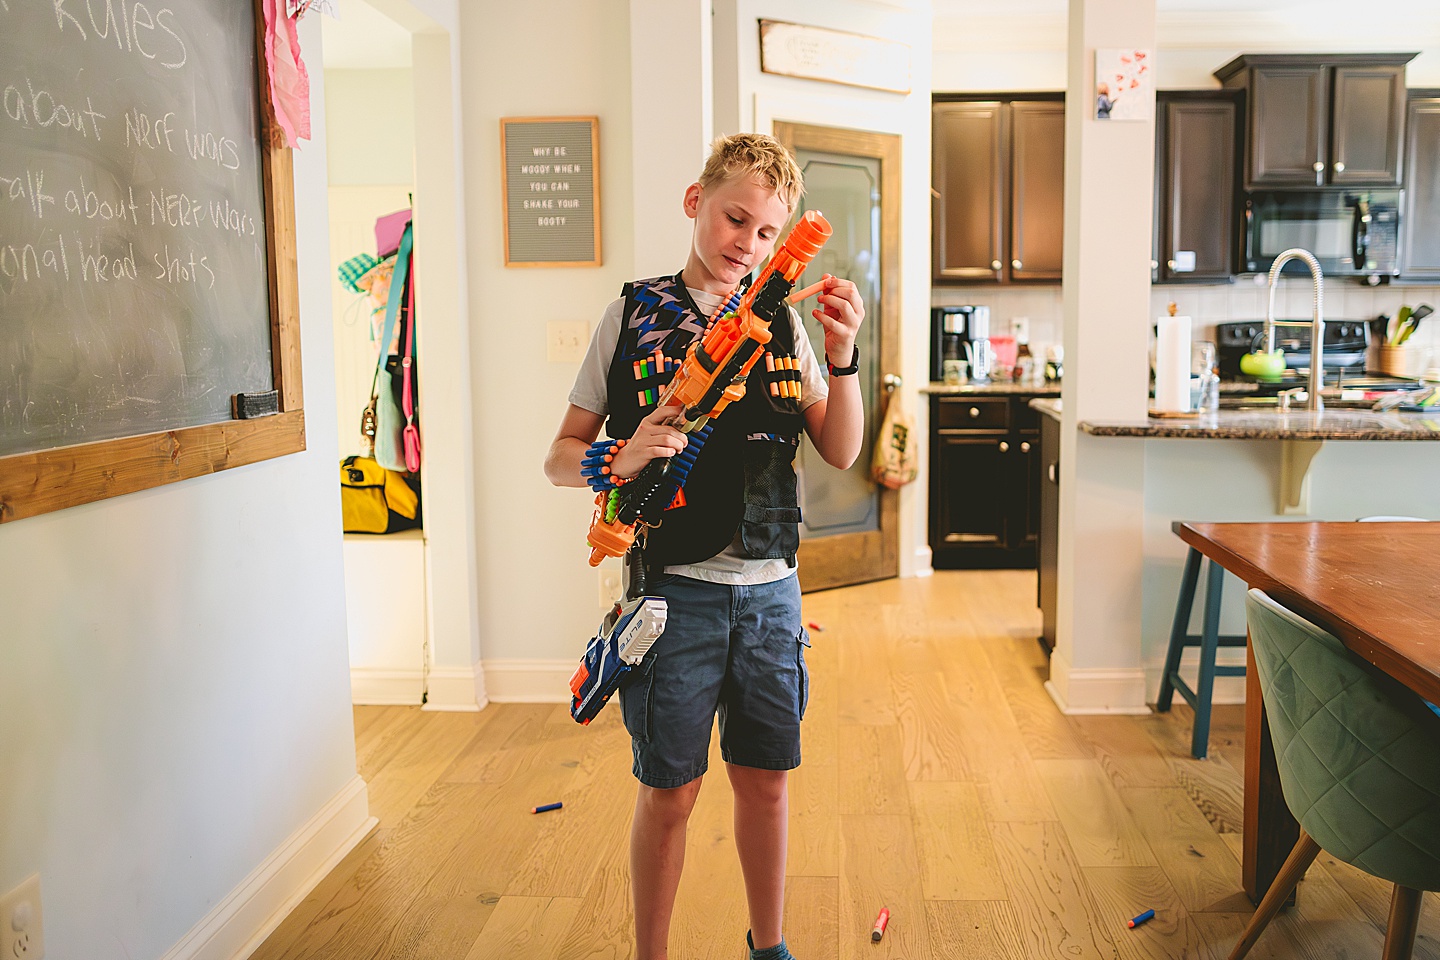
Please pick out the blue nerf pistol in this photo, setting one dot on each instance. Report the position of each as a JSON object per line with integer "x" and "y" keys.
{"x": 624, "y": 637}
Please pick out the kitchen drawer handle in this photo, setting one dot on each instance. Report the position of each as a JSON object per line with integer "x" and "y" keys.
{"x": 1053, "y": 478}
{"x": 974, "y": 412}
{"x": 1025, "y": 447}
{"x": 996, "y": 265}
{"x": 1004, "y": 447}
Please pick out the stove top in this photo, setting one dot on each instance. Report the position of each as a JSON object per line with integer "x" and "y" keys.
{"x": 1345, "y": 345}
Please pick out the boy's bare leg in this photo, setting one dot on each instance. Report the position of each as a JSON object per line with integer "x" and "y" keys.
{"x": 762, "y": 811}
{"x": 657, "y": 854}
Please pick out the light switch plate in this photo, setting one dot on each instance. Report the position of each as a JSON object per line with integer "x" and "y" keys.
{"x": 22, "y": 933}
{"x": 565, "y": 341}
{"x": 1020, "y": 329}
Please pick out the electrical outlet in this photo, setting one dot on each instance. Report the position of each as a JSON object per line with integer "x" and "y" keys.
{"x": 1020, "y": 327}
{"x": 609, "y": 589}
{"x": 565, "y": 340}
{"x": 22, "y": 934}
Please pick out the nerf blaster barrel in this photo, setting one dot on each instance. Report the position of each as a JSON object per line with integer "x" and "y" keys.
{"x": 711, "y": 378}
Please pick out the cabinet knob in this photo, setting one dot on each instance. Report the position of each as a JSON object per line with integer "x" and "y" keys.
{"x": 1016, "y": 264}
{"x": 1025, "y": 447}
{"x": 995, "y": 265}
{"x": 1004, "y": 447}
{"x": 974, "y": 412}
{"x": 1170, "y": 264}
{"x": 1339, "y": 166}
{"x": 1318, "y": 166}
{"x": 1154, "y": 264}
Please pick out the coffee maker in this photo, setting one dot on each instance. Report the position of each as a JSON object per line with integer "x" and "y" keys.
{"x": 948, "y": 326}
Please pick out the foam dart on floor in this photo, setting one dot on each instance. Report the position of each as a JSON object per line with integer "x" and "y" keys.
{"x": 809, "y": 291}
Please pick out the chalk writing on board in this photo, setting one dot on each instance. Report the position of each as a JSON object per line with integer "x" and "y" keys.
{"x": 134, "y": 271}
{"x": 551, "y": 191}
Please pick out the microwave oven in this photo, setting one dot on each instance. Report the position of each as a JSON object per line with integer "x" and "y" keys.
{"x": 1351, "y": 233}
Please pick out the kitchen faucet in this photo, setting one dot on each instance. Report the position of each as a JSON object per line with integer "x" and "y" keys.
{"x": 1317, "y": 321}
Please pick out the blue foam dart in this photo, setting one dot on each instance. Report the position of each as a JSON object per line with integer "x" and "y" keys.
{"x": 625, "y": 636}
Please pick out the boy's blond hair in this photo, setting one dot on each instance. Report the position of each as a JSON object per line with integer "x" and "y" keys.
{"x": 758, "y": 157}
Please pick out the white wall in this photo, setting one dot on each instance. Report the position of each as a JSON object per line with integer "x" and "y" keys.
{"x": 538, "y": 600}
{"x": 370, "y": 125}
{"x": 174, "y": 694}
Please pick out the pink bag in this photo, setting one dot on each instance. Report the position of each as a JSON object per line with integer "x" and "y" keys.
{"x": 388, "y": 231}
{"x": 407, "y": 395}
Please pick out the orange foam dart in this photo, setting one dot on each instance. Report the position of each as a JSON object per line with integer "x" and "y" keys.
{"x": 809, "y": 291}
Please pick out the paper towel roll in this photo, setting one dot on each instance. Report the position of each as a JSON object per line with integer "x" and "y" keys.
{"x": 1172, "y": 364}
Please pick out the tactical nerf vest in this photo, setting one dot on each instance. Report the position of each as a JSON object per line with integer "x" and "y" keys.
{"x": 744, "y": 476}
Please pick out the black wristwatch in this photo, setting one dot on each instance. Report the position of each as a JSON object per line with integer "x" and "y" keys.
{"x": 851, "y": 370}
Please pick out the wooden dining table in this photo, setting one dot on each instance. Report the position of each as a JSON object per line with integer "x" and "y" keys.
{"x": 1375, "y": 586}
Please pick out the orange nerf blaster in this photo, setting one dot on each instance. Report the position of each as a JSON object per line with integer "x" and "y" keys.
{"x": 711, "y": 378}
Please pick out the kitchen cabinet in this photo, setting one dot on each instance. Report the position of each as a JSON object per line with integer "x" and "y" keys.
{"x": 1048, "y": 547}
{"x": 1197, "y": 155}
{"x": 1420, "y": 246}
{"x": 1316, "y": 121}
{"x": 998, "y": 178}
{"x": 984, "y": 481}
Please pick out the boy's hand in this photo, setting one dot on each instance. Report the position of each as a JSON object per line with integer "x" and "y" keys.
{"x": 652, "y": 439}
{"x": 840, "y": 313}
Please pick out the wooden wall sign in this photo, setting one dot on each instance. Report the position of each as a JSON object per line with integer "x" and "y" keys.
{"x": 551, "y": 181}
{"x": 816, "y": 53}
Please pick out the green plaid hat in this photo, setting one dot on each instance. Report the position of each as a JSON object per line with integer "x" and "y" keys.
{"x": 355, "y": 268}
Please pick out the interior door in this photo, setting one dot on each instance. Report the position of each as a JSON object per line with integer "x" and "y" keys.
{"x": 850, "y": 529}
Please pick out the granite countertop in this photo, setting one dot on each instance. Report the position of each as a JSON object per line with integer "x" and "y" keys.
{"x": 1047, "y": 406}
{"x": 1279, "y": 425}
{"x": 996, "y": 388}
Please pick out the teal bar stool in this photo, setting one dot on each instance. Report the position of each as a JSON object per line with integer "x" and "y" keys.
{"x": 1208, "y": 640}
{"x": 1359, "y": 762}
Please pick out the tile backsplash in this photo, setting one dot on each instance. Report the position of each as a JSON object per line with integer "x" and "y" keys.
{"x": 1208, "y": 305}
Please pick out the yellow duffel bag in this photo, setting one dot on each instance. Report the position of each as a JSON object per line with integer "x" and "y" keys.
{"x": 374, "y": 499}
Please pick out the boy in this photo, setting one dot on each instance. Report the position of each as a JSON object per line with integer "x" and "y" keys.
{"x": 725, "y": 559}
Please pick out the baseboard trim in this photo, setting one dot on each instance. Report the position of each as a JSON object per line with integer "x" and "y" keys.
{"x": 241, "y": 922}
{"x": 529, "y": 681}
{"x": 376, "y": 687}
{"x": 455, "y": 689}
{"x": 1096, "y": 690}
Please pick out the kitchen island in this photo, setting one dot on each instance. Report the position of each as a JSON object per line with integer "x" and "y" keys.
{"x": 1259, "y": 466}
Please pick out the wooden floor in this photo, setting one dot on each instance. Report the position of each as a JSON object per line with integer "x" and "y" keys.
{"x": 939, "y": 781}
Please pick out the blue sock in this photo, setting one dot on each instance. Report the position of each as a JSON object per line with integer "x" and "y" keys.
{"x": 777, "y": 952}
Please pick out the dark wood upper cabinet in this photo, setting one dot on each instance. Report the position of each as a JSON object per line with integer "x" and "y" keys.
{"x": 998, "y": 173}
{"x": 1196, "y": 162}
{"x": 1037, "y": 199}
{"x": 1420, "y": 245}
{"x": 970, "y": 175}
{"x": 1315, "y": 121}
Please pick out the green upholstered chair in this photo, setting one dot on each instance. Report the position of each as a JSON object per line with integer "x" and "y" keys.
{"x": 1359, "y": 760}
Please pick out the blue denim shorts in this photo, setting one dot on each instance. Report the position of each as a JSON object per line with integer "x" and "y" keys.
{"x": 735, "y": 650}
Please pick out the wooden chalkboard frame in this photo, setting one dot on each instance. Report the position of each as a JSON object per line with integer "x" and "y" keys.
{"x": 505, "y": 124}
{"x": 48, "y": 480}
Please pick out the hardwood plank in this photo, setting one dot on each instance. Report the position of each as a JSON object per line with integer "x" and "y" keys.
{"x": 530, "y": 927}
{"x": 880, "y": 868}
{"x": 1048, "y": 734}
{"x": 1009, "y": 785}
{"x": 1198, "y": 864}
{"x": 604, "y": 927}
{"x": 957, "y": 855}
{"x": 812, "y": 916}
{"x": 1128, "y": 757}
{"x": 293, "y": 927}
{"x": 503, "y": 749}
{"x": 1125, "y": 892}
{"x": 711, "y": 917}
{"x": 1097, "y": 825}
{"x": 865, "y": 688}
{"x": 1059, "y": 919}
{"x": 974, "y": 928}
{"x": 415, "y": 766}
{"x": 872, "y": 779}
{"x": 813, "y": 847}
{"x": 1215, "y": 788}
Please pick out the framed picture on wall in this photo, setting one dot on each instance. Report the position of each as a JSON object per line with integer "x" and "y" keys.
{"x": 551, "y": 183}
{"x": 1124, "y": 84}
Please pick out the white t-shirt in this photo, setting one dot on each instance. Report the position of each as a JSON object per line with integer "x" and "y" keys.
{"x": 730, "y": 565}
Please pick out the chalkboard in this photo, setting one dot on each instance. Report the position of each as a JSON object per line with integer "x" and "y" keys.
{"x": 552, "y": 191}
{"x": 146, "y": 237}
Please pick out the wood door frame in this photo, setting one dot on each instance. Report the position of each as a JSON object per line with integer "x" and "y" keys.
{"x": 875, "y": 555}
